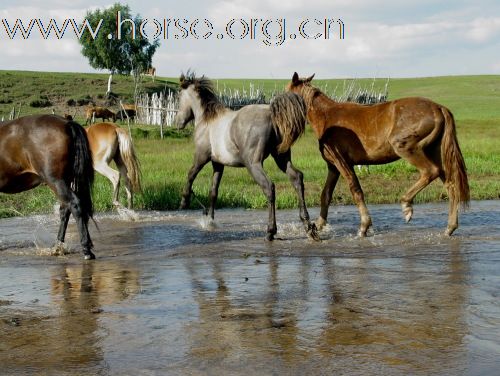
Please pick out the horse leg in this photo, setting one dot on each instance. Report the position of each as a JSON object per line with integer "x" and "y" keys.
{"x": 435, "y": 157}
{"x": 326, "y": 194}
{"x": 199, "y": 162}
{"x": 113, "y": 176}
{"x": 64, "y": 213}
{"x": 70, "y": 201}
{"x": 260, "y": 177}
{"x": 214, "y": 192}
{"x": 429, "y": 171}
{"x": 296, "y": 177}
{"x": 128, "y": 184}
{"x": 358, "y": 196}
{"x": 452, "y": 207}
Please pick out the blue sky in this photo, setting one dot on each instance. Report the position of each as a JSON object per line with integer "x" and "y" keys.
{"x": 382, "y": 38}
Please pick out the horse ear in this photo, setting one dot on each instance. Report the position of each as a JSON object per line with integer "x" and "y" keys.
{"x": 309, "y": 79}
{"x": 182, "y": 78}
{"x": 295, "y": 78}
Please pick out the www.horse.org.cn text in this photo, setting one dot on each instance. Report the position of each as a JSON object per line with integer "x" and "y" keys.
{"x": 271, "y": 32}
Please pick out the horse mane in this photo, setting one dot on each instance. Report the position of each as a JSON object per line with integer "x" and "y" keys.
{"x": 309, "y": 92}
{"x": 288, "y": 114}
{"x": 210, "y": 102}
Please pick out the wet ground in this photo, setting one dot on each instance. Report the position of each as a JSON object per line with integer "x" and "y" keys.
{"x": 170, "y": 295}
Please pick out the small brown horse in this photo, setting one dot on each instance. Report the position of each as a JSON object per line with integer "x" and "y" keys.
{"x": 49, "y": 149}
{"x": 95, "y": 112}
{"x": 127, "y": 111}
{"x": 109, "y": 142}
{"x": 416, "y": 129}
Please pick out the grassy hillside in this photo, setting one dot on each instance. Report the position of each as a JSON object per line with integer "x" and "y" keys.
{"x": 21, "y": 89}
{"x": 474, "y": 100}
{"x": 469, "y": 97}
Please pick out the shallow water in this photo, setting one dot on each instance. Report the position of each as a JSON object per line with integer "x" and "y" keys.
{"x": 170, "y": 293}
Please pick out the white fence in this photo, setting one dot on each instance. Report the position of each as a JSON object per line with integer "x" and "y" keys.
{"x": 160, "y": 109}
{"x": 157, "y": 109}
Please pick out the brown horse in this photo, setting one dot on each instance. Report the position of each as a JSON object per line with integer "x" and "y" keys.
{"x": 49, "y": 149}
{"x": 416, "y": 129}
{"x": 109, "y": 142}
{"x": 96, "y": 112}
{"x": 127, "y": 111}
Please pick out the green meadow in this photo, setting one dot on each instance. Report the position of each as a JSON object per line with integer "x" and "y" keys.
{"x": 474, "y": 101}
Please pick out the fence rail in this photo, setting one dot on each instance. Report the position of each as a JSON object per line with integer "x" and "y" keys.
{"x": 160, "y": 108}
{"x": 156, "y": 109}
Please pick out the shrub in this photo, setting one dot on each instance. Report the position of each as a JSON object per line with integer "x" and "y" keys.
{"x": 84, "y": 101}
{"x": 42, "y": 102}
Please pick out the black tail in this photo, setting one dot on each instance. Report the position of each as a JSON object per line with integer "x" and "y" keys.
{"x": 83, "y": 170}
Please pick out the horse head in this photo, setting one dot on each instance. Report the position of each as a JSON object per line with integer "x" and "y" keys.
{"x": 185, "y": 110}
{"x": 197, "y": 100}
{"x": 298, "y": 83}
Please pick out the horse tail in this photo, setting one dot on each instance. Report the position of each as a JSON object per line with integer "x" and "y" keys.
{"x": 83, "y": 170}
{"x": 453, "y": 162}
{"x": 288, "y": 115}
{"x": 127, "y": 154}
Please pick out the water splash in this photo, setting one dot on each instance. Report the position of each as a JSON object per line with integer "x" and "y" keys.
{"x": 207, "y": 223}
{"x": 43, "y": 236}
{"x": 127, "y": 214}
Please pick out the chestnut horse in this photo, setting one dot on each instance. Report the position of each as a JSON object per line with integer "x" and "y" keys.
{"x": 416, "y": 129}
{"x": 109, "y": 142}
{"x": 52, "y": 150}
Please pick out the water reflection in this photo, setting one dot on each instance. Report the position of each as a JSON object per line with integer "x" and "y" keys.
{"x": 68, "y": 332}
{"x": 405, "y": 313}
{"x": 169, "y": 297}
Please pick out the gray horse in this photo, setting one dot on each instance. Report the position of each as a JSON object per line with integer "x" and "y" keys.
{"x": 243, "y": 138}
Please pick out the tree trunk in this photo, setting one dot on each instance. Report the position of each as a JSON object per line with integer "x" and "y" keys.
{"x": 110, "y": 79}
{"x": 137, "y": 83}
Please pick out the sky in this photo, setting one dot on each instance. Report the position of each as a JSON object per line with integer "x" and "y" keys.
{"x": 392, "y": 38}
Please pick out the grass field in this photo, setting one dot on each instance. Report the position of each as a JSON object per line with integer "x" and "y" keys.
{"x": 474, "y": 100}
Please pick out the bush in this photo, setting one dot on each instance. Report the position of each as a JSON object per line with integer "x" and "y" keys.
{"x": 42, "y": 102}
{"x": 71, "y": 102}
{"x": 85, "y": 101}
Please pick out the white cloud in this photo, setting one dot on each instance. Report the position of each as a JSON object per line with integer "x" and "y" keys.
{"x": 403, "y": 38}
{"x": 483, "y": 29}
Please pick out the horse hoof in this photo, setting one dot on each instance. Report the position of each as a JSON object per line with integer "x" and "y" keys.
{"x": 320, "y": 223}
{"x": 312, "y": 232}
{"x": 89, "y": 256}
{"x": 449, "y": 231}
{"x": 407, "y": 212}
{"x": 59, "y": 249}
{"x": 362, "y": 234}
{"x": 269, "y": 237}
